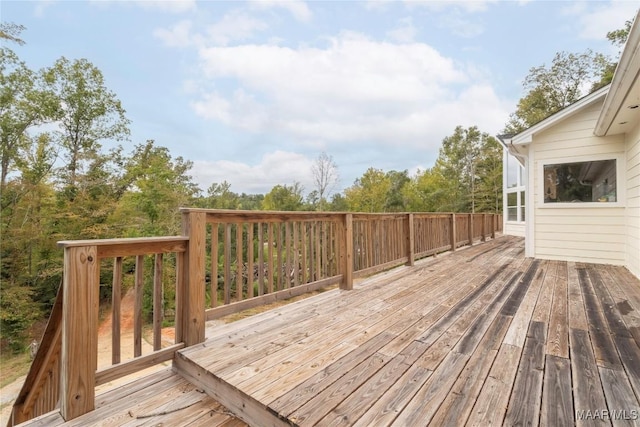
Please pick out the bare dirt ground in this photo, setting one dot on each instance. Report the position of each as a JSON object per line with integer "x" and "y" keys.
{"x": 9, "y": 393}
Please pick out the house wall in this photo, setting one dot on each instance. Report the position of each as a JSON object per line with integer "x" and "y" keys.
{"x": 632, "y": 146}
{"x": 595, "y": 233}
{"x": 513, "y": 228}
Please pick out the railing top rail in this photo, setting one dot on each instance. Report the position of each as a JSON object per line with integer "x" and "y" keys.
{"x": 131, "y": 246}
{"x": 230, "y": 215}
{"x": 254, "y": 213}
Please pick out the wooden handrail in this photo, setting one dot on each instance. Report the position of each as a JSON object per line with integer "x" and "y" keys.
{"x": 45, "y": 363}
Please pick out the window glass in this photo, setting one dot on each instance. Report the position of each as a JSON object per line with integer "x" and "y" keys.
{"x": 580, "y": 182}
{"x": 512, "y": 199}
{"x": 513, "y": 169}
{"x": 512, "y": 214}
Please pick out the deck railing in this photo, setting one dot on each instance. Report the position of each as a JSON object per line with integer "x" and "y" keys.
{"x": 225, "y": 262}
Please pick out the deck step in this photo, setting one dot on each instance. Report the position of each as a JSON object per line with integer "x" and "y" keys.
{"x": 242, "y": 405}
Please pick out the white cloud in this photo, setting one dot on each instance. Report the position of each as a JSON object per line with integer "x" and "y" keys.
{"x": 172, "y": 6}
{"x": 41, "y": 7}
{"x": 595, "y": 20}
{"x": 406, "y": 31}
{"x": 354, "y": 91}
{"x": 469, "y": 6}
{"x": 297, "y": 8}
{"x": 235, "y": 25}
{"x": 462, "y": 26}
{"x": 276, "y": 168}
{"x": 179, "y": 35}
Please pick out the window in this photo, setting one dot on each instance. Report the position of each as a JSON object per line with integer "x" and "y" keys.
{"x": 514, "y": 175}
{"x": 515, "y": 187}
{"x": 579, "y": 182}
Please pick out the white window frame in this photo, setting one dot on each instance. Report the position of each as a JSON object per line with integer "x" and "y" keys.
{"x": 518, "y": 189}
{"x": 620, "y": 180}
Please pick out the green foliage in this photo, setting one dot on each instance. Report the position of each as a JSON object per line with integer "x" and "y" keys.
{"x": 467, "y": 176}
{"x": 284, "y": 198}
{"x": 369, "y": 192}
{"x": 550, "y": 89}
{"x": 158, "y": 186}
{"x": 88, "y": 113}
{"x": 17, "y": 313}
{"x": 11, "y": 32}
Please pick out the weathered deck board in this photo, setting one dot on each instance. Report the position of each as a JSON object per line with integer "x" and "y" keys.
{"x": 161, "y": 398}
{"x": 557, "y": 404}
{"x": 524, "y": 404}
{"x": 588, "y": 394}
{"x": 481, "y": 337}
{"x": 478, "y": 337}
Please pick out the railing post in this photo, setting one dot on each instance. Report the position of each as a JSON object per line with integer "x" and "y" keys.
{"x": 470, "y": 229}
{"x": 493, "y": 226}
{"x": 484, "y": 227}
{"x": 347, "y": 253}
{"x": 410, "y": 240}
{"x": 453, "y": 232}
{"x": 191, "y": 286}
{"x": 79, "y": 358}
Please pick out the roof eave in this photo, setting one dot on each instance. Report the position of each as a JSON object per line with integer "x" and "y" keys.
{"x": 526, "y": 136}
{"x": 626, "y": 73}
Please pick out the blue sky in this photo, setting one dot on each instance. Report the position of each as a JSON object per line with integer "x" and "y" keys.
{"x": 253, "y": 92}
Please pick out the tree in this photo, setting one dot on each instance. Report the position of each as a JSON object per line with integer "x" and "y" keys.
{"x": 159, "y": 185}
{"x": 428, "y": 192}
{"x": 284, "y": 198}
{"x": 617, "y": 38}
{"x": 550, "y": 89}
{"x": 395, "y": 200}
{"x": 369, "y": 192}
{"x": 325, "y": 178}
{"x": 11, "y": 32}
{"x": 25, "y": 102}
{"x": 467, "y": 176}
{"x": 489, "y": 171}
{"x": 220, "y": 196}
{"x": 338, "y": 203}
{"x": 89, "y": 114}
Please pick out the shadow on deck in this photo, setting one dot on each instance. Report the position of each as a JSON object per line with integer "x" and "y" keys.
{"x": 481, "y": 336}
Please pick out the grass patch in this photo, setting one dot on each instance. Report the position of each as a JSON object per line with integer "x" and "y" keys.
{"x": 13, "y": 367}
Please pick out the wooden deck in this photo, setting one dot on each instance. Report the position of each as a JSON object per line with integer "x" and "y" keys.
{"x": 163, "y": 398}
{"x": 481, "y": 336}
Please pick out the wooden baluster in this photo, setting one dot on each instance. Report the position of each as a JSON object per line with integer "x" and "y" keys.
{"x": 270, "y": 260}
{"x": 137, "y": 311}
{"x": 347, "y": 253}
{"x": 214, "y": 265}
{"x": 239, "y": 265}
{"x": 227, "y": 263}
{"x": 261, "y": 262}
{"x": 250, "y": 260}
{"x": 116, "y": 289}
{"x": 410, "y": 239}
{"x": 158, "y": 297}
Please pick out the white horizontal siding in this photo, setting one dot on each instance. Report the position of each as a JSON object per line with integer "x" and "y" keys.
{"x": 591, "y": 234}
{"x": 514, "y": 229}
{"x": 633, "y": 201}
